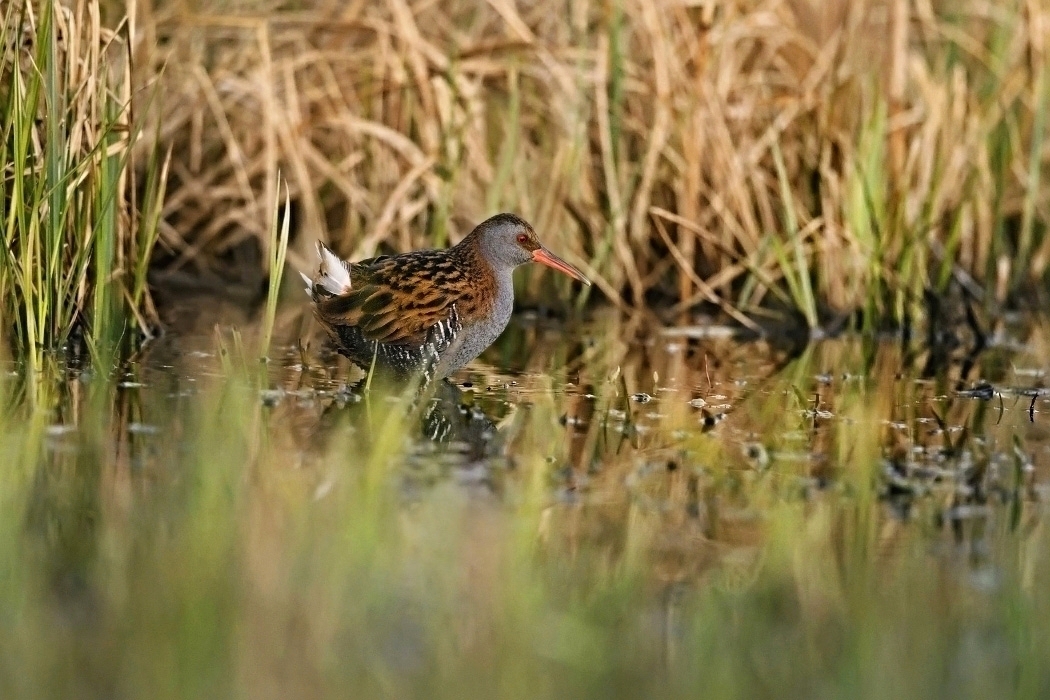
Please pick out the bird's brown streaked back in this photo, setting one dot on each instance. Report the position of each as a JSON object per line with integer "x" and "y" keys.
{"x": 395, "y": 299}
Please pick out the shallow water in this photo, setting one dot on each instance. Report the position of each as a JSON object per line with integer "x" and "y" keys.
{"x": 609, "y": 508}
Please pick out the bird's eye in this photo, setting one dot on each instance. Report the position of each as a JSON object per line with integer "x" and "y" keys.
{"x": 522, "y": 238}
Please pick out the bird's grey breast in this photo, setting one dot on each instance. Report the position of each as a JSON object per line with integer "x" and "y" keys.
{"x": 479, "y": 333}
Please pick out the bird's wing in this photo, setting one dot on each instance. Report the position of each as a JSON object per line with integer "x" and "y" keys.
{"x": 393, "y": 300}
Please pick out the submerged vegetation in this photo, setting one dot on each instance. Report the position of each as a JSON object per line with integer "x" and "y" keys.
{"x": 622, "y": 508}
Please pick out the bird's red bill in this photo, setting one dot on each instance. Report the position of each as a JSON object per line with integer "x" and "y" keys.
{"x": 544, "y": 256}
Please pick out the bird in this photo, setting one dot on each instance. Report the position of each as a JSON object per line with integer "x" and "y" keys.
{"x": 427, "y": 312}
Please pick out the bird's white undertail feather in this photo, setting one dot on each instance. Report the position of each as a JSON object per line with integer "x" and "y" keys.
{"x": 309, "y": 284}
{"x": 333, "y": 276}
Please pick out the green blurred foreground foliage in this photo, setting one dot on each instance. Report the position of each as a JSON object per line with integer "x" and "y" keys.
{"x": 205, "y": 530}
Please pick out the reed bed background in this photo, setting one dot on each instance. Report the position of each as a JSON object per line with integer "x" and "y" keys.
{"x": 811, "y": 157}
{"x": 788, "y": 157}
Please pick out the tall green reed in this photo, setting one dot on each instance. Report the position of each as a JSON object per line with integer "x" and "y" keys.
{"x": 277, "y": 252}
{"x": 75, "y": 244}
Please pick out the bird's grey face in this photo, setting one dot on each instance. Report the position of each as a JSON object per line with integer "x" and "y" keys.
{"x": 509, "y": 241}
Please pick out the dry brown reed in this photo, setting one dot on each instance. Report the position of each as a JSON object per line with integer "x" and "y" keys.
{"x": 805, "y": 155}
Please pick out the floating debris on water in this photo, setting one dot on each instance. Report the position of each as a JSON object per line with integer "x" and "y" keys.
{"x": 757, "y": 454}
{"x": 271, "y": 397}
{"x": 982, "y": 391}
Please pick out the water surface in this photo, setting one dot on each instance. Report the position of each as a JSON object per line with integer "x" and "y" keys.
{"x": 611, "y": 508}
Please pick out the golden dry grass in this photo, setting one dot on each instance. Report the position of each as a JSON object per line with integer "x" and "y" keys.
{"x": 816, "y": 156}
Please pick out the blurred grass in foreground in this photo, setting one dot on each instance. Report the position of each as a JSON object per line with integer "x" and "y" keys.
{"x": 198, "y": 532}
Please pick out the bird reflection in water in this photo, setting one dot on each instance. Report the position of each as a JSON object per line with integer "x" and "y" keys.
{"x": 451, "y": 436}
{"x": 449, "y": 420}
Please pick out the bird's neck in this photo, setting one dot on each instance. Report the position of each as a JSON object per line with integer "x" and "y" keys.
{"x": 498, "y": 279}
{"x": 472, "y": 256}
